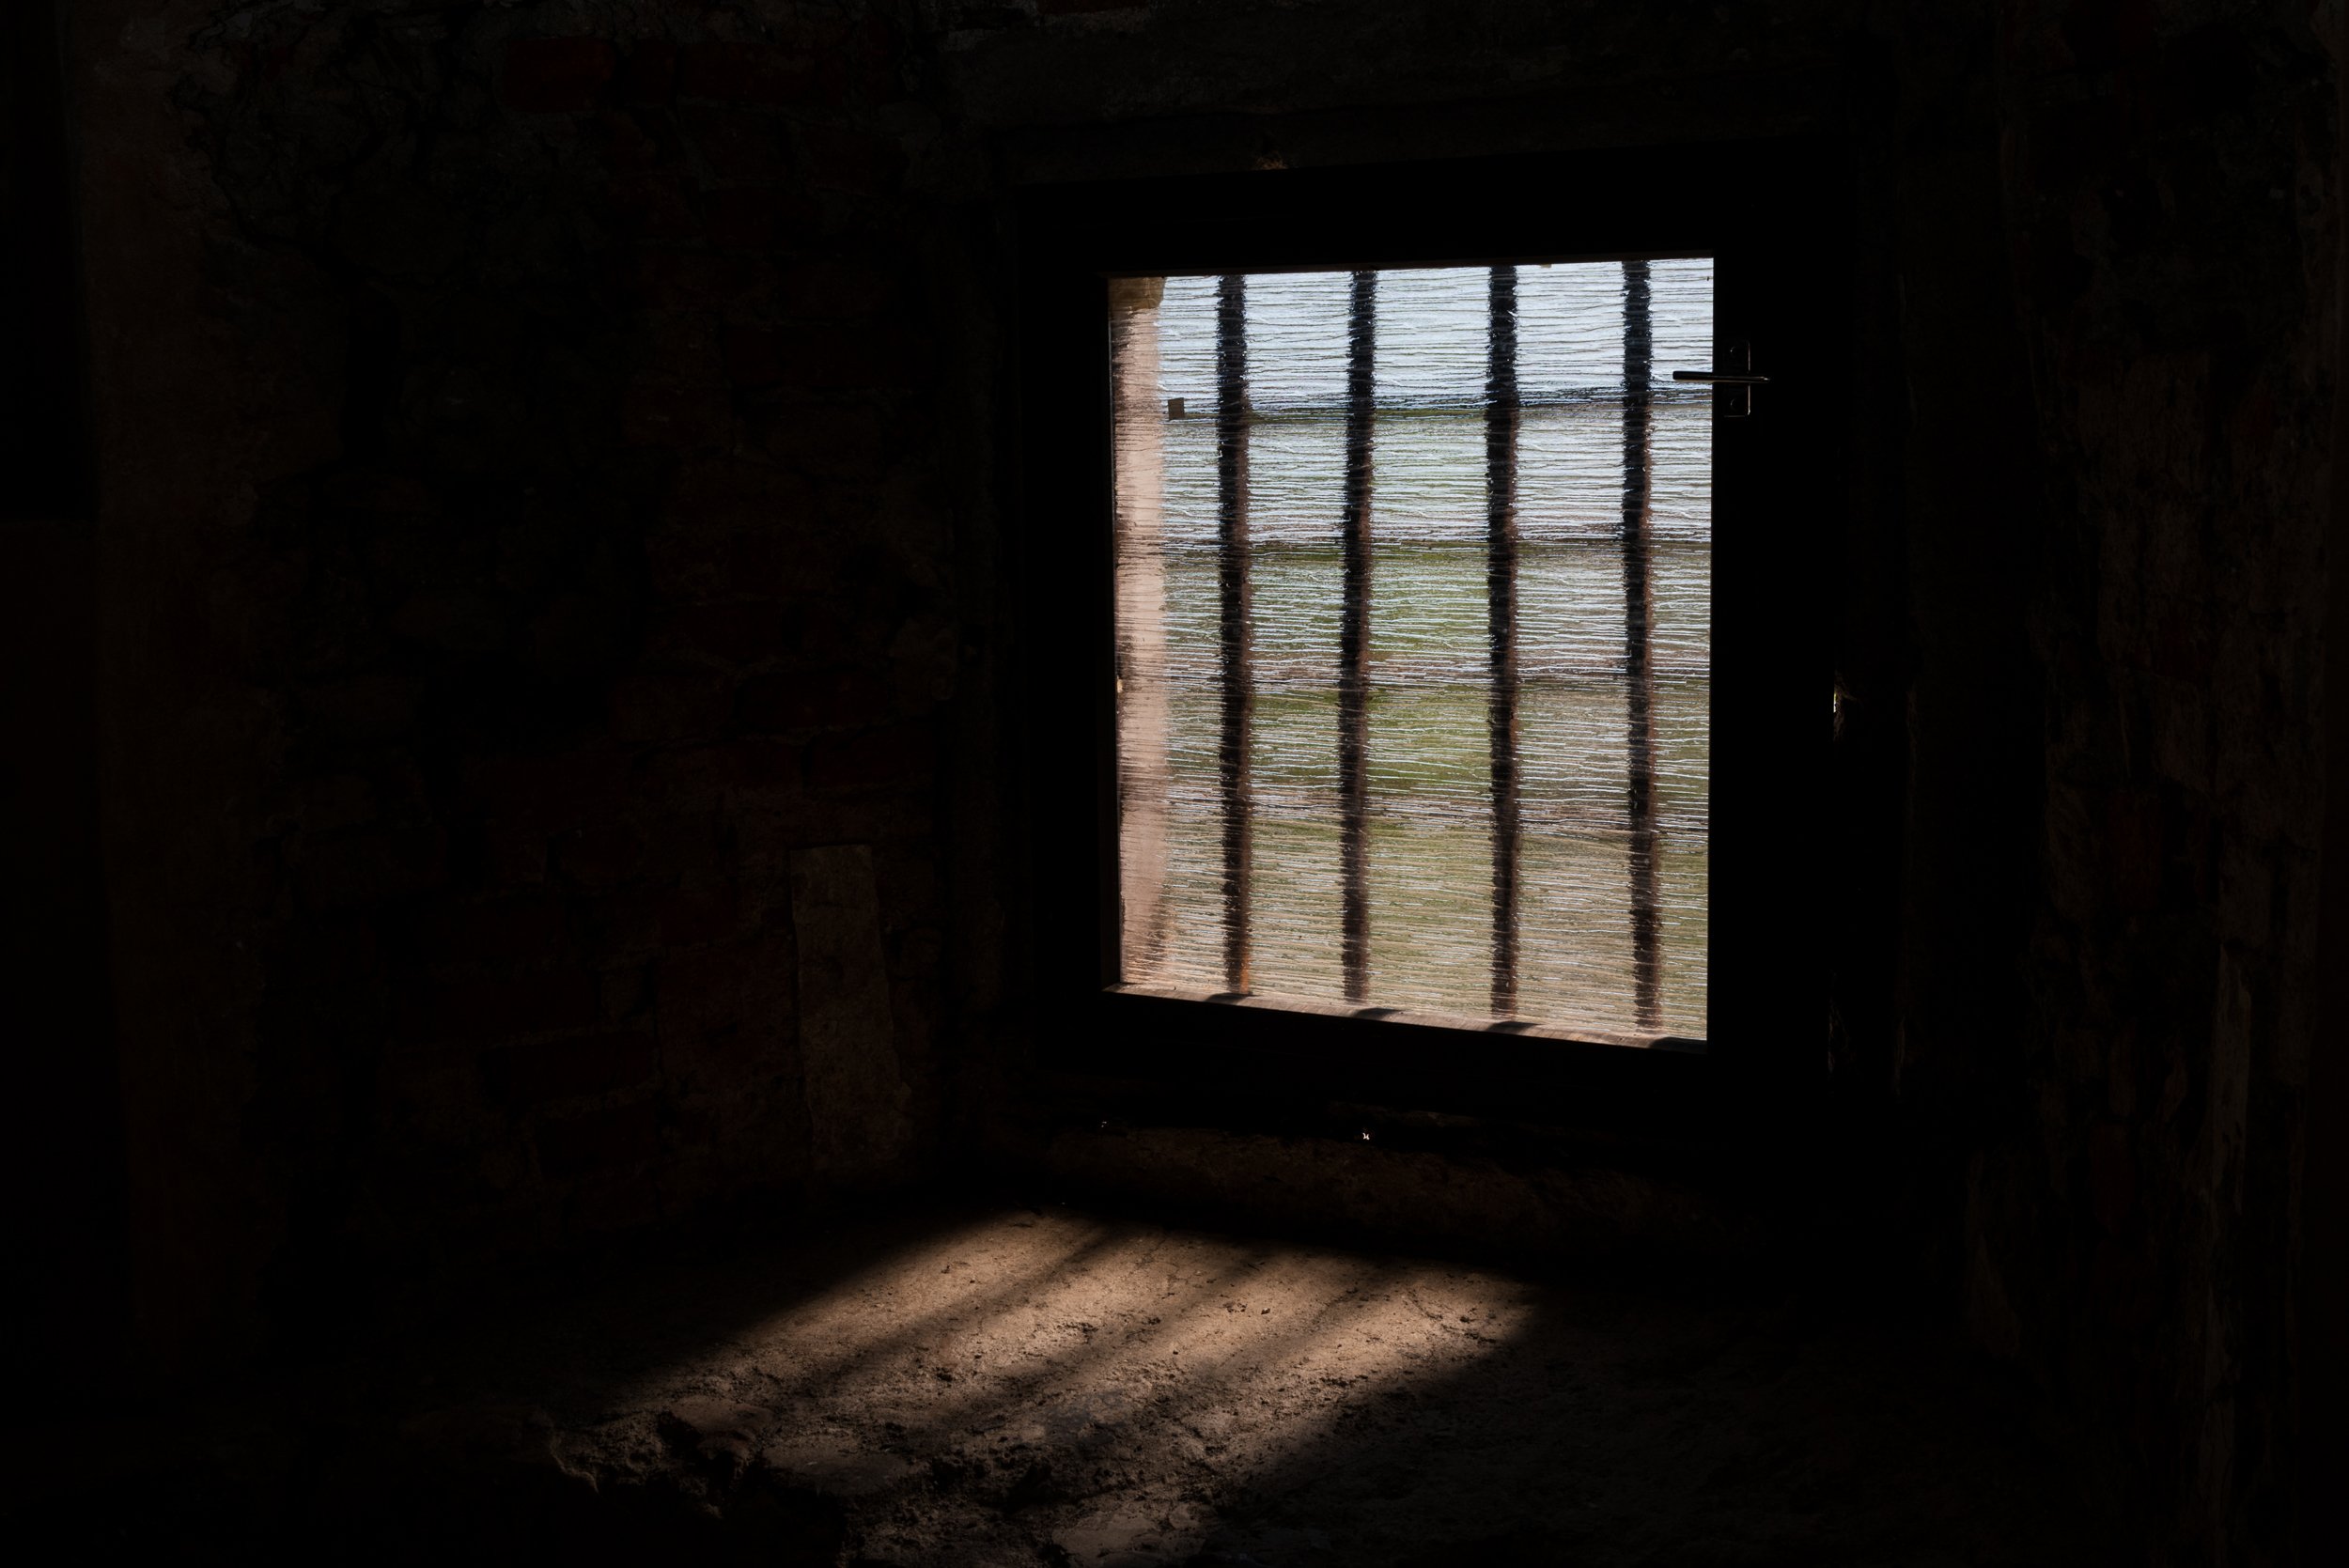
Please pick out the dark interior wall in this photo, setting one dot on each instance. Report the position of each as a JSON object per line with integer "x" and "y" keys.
{"x": 62, "y": 1133}
{"x": 529, "y": 605}
{"x": 2133, "y": 1207}
{"x": 556, "y": 775}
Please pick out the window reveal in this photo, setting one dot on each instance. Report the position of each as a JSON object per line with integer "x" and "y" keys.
{"x": 1413, "y": 626}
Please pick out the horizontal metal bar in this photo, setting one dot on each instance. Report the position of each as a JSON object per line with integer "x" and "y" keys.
{"x": 1709, "y": 377}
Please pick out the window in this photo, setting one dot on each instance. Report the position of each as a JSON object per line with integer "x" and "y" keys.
{"x": 1413, "y": 618}
{"x": 1519, "y": 752}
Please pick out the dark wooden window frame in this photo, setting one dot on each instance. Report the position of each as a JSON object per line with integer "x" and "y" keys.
{"x": 1771, "y": 214}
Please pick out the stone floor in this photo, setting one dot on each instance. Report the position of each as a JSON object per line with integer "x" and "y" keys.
{"x": 1051, "y": 1388}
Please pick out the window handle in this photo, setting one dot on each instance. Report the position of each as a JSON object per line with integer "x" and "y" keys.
{"x": 1732, "y": 378}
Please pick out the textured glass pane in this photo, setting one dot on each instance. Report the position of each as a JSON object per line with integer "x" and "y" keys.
{"x": 1454, "y": 524}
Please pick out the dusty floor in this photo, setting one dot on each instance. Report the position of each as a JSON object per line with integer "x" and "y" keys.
{"x": 1029, "y": 1388}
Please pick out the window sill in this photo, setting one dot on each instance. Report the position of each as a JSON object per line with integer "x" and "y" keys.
{"x": 1393, "y": 1017}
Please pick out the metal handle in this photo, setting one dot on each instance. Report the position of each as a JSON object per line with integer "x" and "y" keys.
{"x": 1731, "y": 377}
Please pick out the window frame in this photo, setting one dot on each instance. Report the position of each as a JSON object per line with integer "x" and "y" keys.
{"x": 1767, "y": 212}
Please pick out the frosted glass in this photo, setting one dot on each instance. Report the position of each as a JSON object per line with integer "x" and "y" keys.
{"x": 1514, "y": 500}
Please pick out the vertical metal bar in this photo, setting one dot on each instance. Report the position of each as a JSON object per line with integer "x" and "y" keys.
{"x": 1639, "y": 619}
{"x": 1354, "y": 638}
{"x": 1230, "y": 482}
{"x": 1501, "y": 620}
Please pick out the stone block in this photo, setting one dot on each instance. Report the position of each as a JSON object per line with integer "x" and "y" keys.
{"x": 663, "y": 847}
{"x": 824, "y": 356}
{"x": 570, "y": 1068}
{"x": 693, "y": 916}
{"x": 635, "y": 143}
{"x": 673, "y": 414}
{"x": 900, "y": 757}
{"x": 652, "y": 205}
{"x": 769, "y": 74}
{"x": 857, "y": 161}
{"x": 554, "y": 789}
{"x": 735, "y": 493}
{"x": 648, "y": 74}
{"x": 557, "y": 1001}
{"x": 556, "y": 75}
{"x": 598, "y": 1140}
{"x": 736, "y": 771}
{"x": 834, "y": 291}
{"x": 668, "y": 707}
{"x": 741, "y": 149}
{"x": 370, "y": 865}
{"x": 506, "y": 934}
{"x": 832, "y": 441}
{"x": 857, "y": 1098}
{"x": 761, "y": 218}
{"x": 701, "y": 280}
{"x": 2112, "y": 1176}
{"x": 812, "y": 699}
{"x": 726, "y": 987}
{"x": 753, "y": 630}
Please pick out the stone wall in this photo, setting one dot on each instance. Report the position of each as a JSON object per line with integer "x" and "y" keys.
{"x": 524, "y": 538}
{"x": 556, "y": 770}
{"x": 2170, "y": 203}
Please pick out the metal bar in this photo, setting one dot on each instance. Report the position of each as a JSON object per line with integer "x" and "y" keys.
{"x": 1501, "y": 619}
{"x": 1638, "y": 617}
{"x": 1354, "y": 638}
{"x": 1230, "y": 482}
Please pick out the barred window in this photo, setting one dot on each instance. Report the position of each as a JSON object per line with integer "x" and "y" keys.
{"x": 1414, "y": 641}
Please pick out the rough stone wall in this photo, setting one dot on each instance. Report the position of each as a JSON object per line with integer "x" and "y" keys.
{"x": 525, "y": 542}
{"x": 2170, "y": 196}
{"x": 548, "y": 525}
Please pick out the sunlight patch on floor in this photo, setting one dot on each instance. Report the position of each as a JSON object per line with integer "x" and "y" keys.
{"x": 1051, "y": 1330}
